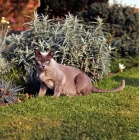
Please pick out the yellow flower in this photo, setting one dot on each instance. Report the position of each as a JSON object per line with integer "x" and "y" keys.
{"x": 7, "y": 22}
{"x": 8, "y": 27}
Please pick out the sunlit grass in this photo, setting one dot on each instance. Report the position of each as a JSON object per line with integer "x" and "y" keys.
{"x": 97, "y": 116}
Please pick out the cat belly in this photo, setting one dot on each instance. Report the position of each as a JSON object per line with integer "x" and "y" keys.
{"x": 69, "y": 92}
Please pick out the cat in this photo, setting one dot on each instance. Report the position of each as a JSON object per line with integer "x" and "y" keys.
{"x": 63, "y": 80}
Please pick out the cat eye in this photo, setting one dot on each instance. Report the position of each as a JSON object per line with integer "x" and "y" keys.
{"x": 39, "y": 61}
{"x": 47, "y": 62}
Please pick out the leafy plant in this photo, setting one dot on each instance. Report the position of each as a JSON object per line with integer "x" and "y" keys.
{"x": 4, "y": 28}
{"x": 82, "y": 46}
{"x": 121, "y": 21}
{"x": 8, "y": 92}
{"x": 61, "y": 8}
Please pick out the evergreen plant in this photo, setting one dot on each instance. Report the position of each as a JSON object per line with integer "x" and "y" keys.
{"x": 8, "y": 91}
{"x": 121, "y": 21}
{"x": 82, "y": 46}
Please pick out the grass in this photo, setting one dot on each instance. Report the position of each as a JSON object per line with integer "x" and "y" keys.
{"x": 108, "y": 116}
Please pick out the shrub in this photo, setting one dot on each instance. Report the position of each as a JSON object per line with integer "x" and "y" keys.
{"x": 8, "y": 90}
{"x": 121, "y": 21}
{"x": 76, "y": 44}
{"x": 82, "y": 46}
{"x": 61, "y": 8}
{"x": 4, "y": 28}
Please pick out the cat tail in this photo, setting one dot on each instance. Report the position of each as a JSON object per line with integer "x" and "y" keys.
{"x": 121, "y": 87}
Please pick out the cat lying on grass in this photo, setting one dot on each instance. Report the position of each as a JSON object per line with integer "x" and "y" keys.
{"x": 64, "y": 80}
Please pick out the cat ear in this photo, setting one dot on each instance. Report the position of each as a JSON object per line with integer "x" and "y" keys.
{"x": 36, "y": 51}
{"x": 51, "y": 53}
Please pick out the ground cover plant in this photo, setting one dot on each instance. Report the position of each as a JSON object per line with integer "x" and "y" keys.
{"x": 97, "y": 116}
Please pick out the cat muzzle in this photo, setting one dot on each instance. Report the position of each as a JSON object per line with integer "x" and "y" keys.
{"x": 43, "y": 67}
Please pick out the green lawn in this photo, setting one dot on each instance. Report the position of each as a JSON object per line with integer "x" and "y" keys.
{"x": 99, "y": 116}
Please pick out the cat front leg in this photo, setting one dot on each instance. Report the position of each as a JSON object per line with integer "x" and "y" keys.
{"x": 57, "y": 89}
{"x": 43, "y": 89}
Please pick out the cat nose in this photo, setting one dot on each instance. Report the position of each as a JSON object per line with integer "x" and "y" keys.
{"x": 43, "y": 66}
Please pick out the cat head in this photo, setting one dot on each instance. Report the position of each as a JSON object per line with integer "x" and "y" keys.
{"x": 43, "y": 60}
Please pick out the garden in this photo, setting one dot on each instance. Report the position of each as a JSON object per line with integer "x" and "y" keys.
{"x": 103, "y": 42}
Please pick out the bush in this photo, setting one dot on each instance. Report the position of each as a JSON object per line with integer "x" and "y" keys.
{"x": 121, "y": 21}
{"x": 61, "y": 8}
{"x": 4, "y": 28}
{"x": 8, "y": 90}
{"x": 82, "y": 46}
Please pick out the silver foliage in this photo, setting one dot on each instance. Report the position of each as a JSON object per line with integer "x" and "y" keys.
{"x": 82, "y": 46}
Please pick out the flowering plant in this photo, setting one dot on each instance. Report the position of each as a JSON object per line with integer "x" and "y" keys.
{"x": 121, "y": 67}
{"x": 4, "y": 28}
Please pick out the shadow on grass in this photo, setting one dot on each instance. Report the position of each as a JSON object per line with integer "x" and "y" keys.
{"x": 128, "y": 80}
